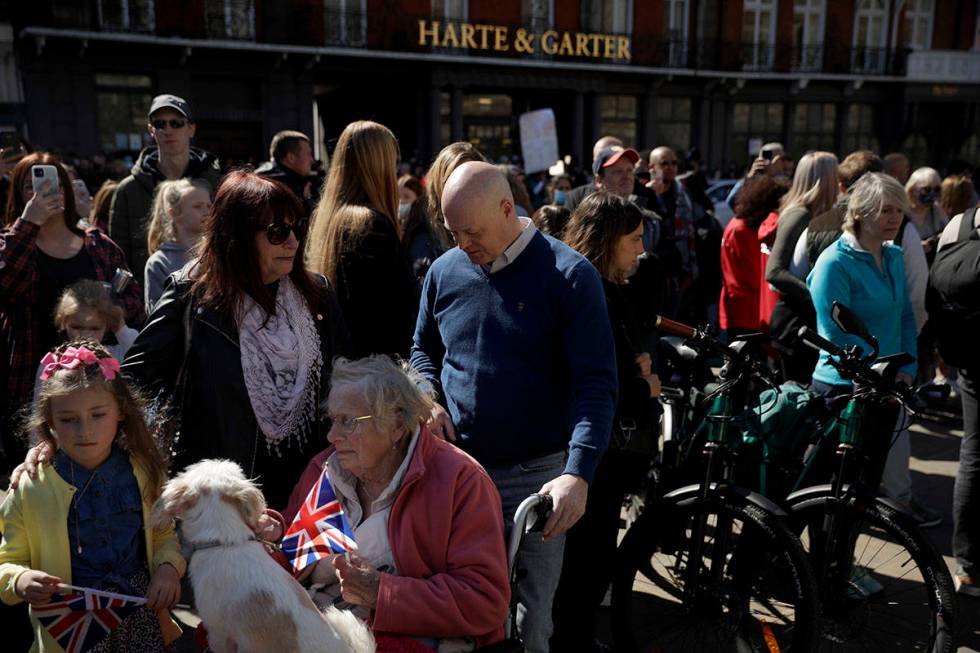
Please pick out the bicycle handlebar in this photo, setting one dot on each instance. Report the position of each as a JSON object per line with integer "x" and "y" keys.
{"x": 676, "y": 328}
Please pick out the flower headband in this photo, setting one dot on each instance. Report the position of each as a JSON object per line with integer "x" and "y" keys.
{"x": 72, "y": 358}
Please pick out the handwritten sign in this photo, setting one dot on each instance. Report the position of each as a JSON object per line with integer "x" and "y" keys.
{"x": 498, "y": 38}
{"x": 539, "y": 140}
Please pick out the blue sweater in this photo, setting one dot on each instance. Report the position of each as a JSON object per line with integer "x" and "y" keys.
{"x": 523, "y": 358}
{"x": 879, "y": 297}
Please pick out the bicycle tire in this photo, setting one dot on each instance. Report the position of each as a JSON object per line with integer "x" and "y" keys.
{"x": 915, "y": 584}
{"x": 766, "y": 565}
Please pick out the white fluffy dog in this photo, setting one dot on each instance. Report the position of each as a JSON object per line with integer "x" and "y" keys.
{"x": 248, "y": 603}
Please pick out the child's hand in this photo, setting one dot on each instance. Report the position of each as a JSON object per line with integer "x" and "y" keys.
{"x": 36, "y": 587}
{"x": 164, "y": 588}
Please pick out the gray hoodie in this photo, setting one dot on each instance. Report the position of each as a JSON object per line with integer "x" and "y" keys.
{"x": 165, "y": 261}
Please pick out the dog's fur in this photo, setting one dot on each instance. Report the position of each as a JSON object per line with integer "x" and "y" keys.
{"x": 248, "y": 603}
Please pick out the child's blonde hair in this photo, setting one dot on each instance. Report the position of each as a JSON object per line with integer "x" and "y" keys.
{"x": 167, "y": 195}
{"x": 91, "y": 294}
{"x": 133, "y": 436}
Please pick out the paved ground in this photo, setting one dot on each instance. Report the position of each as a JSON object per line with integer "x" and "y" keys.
{"x": 935, "y": 451}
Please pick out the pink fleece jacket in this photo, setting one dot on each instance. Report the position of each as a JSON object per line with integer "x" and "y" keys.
{"x": 446, "y": 532}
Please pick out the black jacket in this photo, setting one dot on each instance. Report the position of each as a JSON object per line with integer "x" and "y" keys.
{"x": 377, "y": 291}
{"x": 131, "y": 203}
{"x": 216, "y": 420}
{"x": 293, "y": 181}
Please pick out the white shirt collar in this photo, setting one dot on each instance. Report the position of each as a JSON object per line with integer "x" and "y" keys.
{"x": 510, "y": 254}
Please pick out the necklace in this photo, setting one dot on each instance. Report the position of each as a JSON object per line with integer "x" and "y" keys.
{"x": 74, "y": 504}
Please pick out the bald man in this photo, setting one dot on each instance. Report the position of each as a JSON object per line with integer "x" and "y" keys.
{"x": 678, "y": 225}
{"x": 514, "y": 335}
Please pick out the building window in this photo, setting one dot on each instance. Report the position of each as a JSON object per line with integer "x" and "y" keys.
{"x": 916, "y": 148}
{"x": 677, "y": 19}
{"x": 489, "y": 124}
{"x": 859, "y": 129}
{"x": 870, "y": 32}
{"x": 126, "y": 15}
{"x": 607, "y": 16}
{"x": 345, "y": 22}
{"x": 758, "y": 34}
{"x": 617, "y": 117}
{"x": 538, "y": 15}
{"x": 674, "y": 123}
{"x": 813, "y": 128}
{"x": 122, "y": 102}
{"x": 231, "y": 19}
{"x": 754, "y": 124}
{"x": 808, "y": 30}
{"x": 450, "y": 10}
{"x": 917, "y": 26}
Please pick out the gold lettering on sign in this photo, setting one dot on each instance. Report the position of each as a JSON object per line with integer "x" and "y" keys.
{"x": 449, "y": 34}
{"x": 566, "y": 45}
{"x": 500, "y": 40}
{"x": 432, "y": 31}
{"x": 484, "y": 31}
{"x": 548, "y": 45}
{"x": 466, "y": 34}
{"x": 623, "y": 48}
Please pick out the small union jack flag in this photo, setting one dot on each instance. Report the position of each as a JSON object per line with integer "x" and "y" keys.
{"x": 319, "y": 529}
{"x": 80, "y": 620}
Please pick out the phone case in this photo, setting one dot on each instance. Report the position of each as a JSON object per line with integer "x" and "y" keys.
{"x": 47, "y": 184}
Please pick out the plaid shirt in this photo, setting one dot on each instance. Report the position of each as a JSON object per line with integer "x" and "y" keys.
{"x": 19, "y": 319}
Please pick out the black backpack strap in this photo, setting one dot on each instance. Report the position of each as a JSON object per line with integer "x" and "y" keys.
{"x": 901, "y": 231}
{"x": 966, "y": 225}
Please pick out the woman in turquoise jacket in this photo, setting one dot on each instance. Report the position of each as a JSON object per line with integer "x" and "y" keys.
{"x": 865, "y": 272}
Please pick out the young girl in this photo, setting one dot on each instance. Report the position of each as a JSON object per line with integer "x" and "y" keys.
{"x": 176, "y": 225}
{"x": 85, "y": 311}
{"x": 84, "y": 520}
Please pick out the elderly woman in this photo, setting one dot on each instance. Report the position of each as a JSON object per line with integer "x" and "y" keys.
{"x": 241, "y": 341}
{"x": 863, "y": 272}
{"x": 923, "y": 189}
{"x": 430, "y": 563}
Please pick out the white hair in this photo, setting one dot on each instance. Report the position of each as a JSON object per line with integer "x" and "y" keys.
{"x": 869, "y": 195}
{"x": 396, "y": 394}
{"x": 922, "y": 177}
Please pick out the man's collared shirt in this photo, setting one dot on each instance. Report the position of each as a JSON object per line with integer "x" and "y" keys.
{"x": 519, "y": 245}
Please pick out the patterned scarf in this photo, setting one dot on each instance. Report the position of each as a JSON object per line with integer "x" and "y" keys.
{"x": 281, "y": 361}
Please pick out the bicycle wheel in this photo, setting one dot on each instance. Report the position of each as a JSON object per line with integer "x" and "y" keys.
{"x": 755, "y": 593}
{"x": 886, "y": 588}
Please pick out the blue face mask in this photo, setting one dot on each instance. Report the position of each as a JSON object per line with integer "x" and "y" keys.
{"x": 560, "y": 196}
{"x": 928, "y": 196}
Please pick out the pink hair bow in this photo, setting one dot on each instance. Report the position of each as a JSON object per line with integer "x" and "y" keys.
{"x": 73, "y": 357}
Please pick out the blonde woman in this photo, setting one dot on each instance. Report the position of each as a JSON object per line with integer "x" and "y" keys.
{"x": 355, "y": 242}
{"x": 923, "y": 189}
{"x": 176, "y": 226}
{"x": 813, "y": 192}
{"x": 449, "y": 158}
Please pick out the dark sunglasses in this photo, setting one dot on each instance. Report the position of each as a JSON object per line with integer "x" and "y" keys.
{"x": 278, "y": 232}
{"x": 175, "y": 123}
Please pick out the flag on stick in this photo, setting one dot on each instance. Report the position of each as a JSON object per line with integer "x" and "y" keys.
{"x": 80, "y": 619}
{"x": 319, "y": 529}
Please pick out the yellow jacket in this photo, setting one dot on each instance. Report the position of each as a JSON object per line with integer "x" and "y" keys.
{"x": 34, "y": 524}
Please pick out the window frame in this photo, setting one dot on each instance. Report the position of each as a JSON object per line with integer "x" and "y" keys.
{"x": 810, "y": 8}
{"x": 913, "y": 14}
{"x": 762, "y": 56}
{"x": 344, "y": 14}
{"x": 677, "y": 40}
{"x": 879, "y": 61}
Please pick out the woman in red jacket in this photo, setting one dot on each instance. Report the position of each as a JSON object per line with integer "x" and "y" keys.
{"x": 430, "y": 564}
{"x": 738, "y": 307}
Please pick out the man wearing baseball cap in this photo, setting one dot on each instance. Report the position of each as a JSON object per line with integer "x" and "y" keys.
{"x": 171, "y": 124}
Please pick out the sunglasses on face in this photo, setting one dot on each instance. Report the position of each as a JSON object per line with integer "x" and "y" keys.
{"x": 174, "y": 123}
{"x": 934, "y": 189}
{"x": 278, "y": 232}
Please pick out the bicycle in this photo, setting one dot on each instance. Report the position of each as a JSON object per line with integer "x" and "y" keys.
{"x": 882, "y": 583}
{"x": 712, "y": 566}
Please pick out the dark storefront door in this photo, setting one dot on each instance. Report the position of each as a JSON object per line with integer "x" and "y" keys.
{"x": 234, "y": 143}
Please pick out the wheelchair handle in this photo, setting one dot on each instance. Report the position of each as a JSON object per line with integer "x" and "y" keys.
{"x": 675, "y": 328}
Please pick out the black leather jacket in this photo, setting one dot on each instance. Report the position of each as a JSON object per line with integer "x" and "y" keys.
{"x": 216, "y": 418}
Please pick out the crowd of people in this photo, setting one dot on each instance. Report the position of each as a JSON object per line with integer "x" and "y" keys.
{"x": 443, "y": 342}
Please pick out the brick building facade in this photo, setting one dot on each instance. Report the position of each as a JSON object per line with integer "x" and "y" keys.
{"x": 721, "y": 75}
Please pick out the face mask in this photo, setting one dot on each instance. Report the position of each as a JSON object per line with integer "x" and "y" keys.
{"x": 403, "y": 209}
{"x": 927, "y": 196}
{"x": 560, "y": 196}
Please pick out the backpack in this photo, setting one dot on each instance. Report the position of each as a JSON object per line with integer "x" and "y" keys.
{"x": 953, "y": 296}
